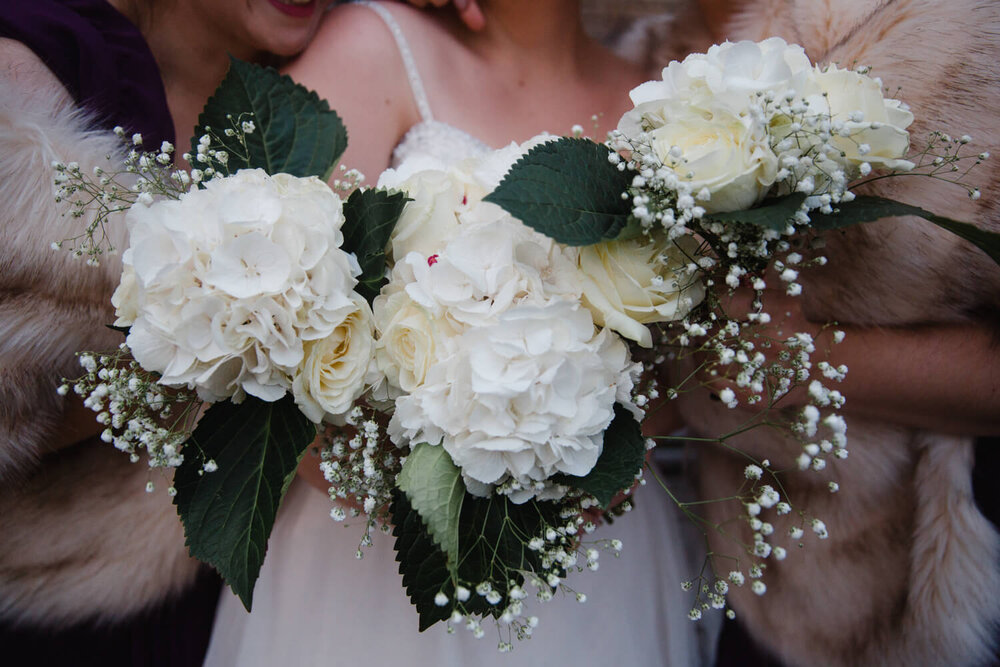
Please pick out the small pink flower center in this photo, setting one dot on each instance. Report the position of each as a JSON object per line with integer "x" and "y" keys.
{"x": 432, "y": 260}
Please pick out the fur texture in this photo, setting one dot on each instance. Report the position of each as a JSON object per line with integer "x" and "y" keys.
{"x": 911, "y": 572}
{"x": 81, "y": 538}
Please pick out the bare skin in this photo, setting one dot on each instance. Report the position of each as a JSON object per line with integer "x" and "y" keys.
{"x": 531, "y": 68}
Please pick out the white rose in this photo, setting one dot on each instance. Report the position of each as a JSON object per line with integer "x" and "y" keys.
{"x": 431, "y": 218}
{"x": 126, "y": 298}
{"x": 726, "y": 154}
{"x": 336, "y": 368}
{"x": 847, "y": 92}
{"x": 409, "y": 338}
{"x": 729, "y": 75}
{"x": 629, "y": 284}
{"x": 525, "y": 398}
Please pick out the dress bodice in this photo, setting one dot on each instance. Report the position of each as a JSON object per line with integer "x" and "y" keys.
{"x": 439, "y": 141}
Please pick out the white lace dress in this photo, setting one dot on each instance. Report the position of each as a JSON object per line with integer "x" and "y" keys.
{"x": 316, "y": 604}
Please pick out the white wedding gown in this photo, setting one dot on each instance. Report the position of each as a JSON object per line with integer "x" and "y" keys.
{"x": 316, "y": 604}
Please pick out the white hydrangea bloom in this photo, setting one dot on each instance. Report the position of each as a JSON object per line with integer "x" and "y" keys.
{"x": 526, "y": 397}
{"x": 225, "y": 287}
{"x": 483, "y": 339}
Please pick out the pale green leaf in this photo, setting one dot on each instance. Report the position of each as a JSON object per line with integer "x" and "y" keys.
{"x": 433, "y": 485}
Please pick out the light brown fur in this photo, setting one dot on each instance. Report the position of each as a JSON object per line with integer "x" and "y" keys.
{"x": 911, "y": 572}
{"x": 79, "y": 537}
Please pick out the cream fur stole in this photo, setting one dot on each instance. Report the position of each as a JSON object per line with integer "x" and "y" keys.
{"x": 79, "y": 537}
{"x": 911, "y": 572}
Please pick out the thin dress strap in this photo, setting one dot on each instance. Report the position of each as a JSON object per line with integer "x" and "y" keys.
{"x": 416, "y": 84}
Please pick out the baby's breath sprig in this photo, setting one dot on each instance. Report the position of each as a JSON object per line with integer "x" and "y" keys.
{"x": 361, "y": 465}
{"x": 137, "y": 412}
{"x": 559, "y": 547}
{"x": 140, "y": 177}
{"x": 214, "y": 151}
{"x": 943, "y": 158}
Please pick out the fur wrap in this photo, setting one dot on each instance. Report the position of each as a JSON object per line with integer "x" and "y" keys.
{"x": 911, "y": 572}
{"x": 81, "y": 539}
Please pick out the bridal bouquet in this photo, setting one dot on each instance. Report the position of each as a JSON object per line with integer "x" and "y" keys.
{"x": 510, "y": 392}
{"x": 733, "y": 163}
{"x": 469, "y": 374}
{"x": 244, "y": 298}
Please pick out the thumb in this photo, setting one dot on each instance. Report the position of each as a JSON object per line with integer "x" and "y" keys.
{"x": 471, "y": 14}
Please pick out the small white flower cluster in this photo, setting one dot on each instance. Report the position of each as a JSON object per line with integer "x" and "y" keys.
{"x": 138, "y": 413}
{"x": 815, "y": 452}
{"x": 759, "y": 500}
{"x": 104, "y": 195}
{"x": 361, "y": 467}
{"x": 559, "y": 550}
{"x": 212, "y": 154}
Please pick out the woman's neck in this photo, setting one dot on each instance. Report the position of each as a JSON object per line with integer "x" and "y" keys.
{"x": 549, "y": 30}
{"x": 191, "y": 56}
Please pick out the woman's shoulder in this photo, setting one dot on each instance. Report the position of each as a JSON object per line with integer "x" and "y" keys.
{"x": 26, "y": 81}
{"x": 362, "y": 36}
{"x": 121, "y": 81}
{"x": 356, "y": 63}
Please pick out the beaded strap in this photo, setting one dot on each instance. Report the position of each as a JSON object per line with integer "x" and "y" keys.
{"x": 416, "y": 84}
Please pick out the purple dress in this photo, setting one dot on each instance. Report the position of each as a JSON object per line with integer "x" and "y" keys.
{"x": 99, "y": 56}
{"x": 106, "y": 65}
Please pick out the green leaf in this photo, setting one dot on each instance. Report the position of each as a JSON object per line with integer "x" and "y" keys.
{"x": 296, "y": 132}
{"x": 433, "y": 484}
{"x": 868, "y": 209}
{"x": 493, "y": 537}
{"x": 228, "y": 514}
{"x": 369, "y": 218}
{"x": 422, "y": 563}
{"x": 622, "y": 457}
{"x": 776, "y": 214}
{"x": 568, "y": 190}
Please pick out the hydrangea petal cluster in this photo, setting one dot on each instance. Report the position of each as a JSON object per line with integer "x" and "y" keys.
{"x": 492, "y": 264}
{"x": 227, "y": 289}
{"x": 485, "y": 339}
{"x": 523, "y": 398}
